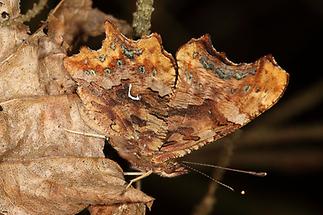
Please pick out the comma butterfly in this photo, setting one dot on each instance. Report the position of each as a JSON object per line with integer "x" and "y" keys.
{"x": 155, "y": 109}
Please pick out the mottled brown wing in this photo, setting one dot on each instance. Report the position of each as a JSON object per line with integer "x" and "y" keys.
{"x": 134, "y": 119}
{"x": 214, "y": 96}
{"x": 152, "y": 111}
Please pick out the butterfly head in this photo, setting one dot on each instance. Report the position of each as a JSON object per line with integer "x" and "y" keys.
{"x": 170, "y": 168}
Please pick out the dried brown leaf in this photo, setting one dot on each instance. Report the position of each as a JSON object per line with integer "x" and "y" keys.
{"x": 11, "y": 7}
{"x": 119, "y": 209}
{"x": 10, "y": 37}
{"x": 63, "y": 185}
{"x": 45, "y": 169}
{"x": 34, "y": 68}
{"x": 75, "y": 17}
{"x": 33, "y": 127}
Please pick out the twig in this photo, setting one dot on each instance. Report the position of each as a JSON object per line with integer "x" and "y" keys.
{"x": 142, "y": 17}
{"x": 33, "y": 12}
{"x": 29, "y": 15}
{"x": 205, "y": 207}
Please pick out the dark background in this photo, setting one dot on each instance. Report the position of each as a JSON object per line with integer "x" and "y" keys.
{"x": 291, "y": 150}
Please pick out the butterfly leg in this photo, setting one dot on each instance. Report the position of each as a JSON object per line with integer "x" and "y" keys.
{"x": 141, "y": 176}
{"x": 86, "y": 134}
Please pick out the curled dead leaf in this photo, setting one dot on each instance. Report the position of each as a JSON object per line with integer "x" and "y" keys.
{"x": 75, "y": 17}
{"x": 63, "y": 185}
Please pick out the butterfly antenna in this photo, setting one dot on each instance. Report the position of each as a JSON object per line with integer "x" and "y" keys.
{"x": 260, "y": 174}
{"x": 207, "y": 176}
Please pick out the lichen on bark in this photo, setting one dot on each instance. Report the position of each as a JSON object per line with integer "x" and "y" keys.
{"x": 142, "y": 17}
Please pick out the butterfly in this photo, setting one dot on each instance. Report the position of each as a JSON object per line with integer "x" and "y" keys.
{"x": 156, "y": 108}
